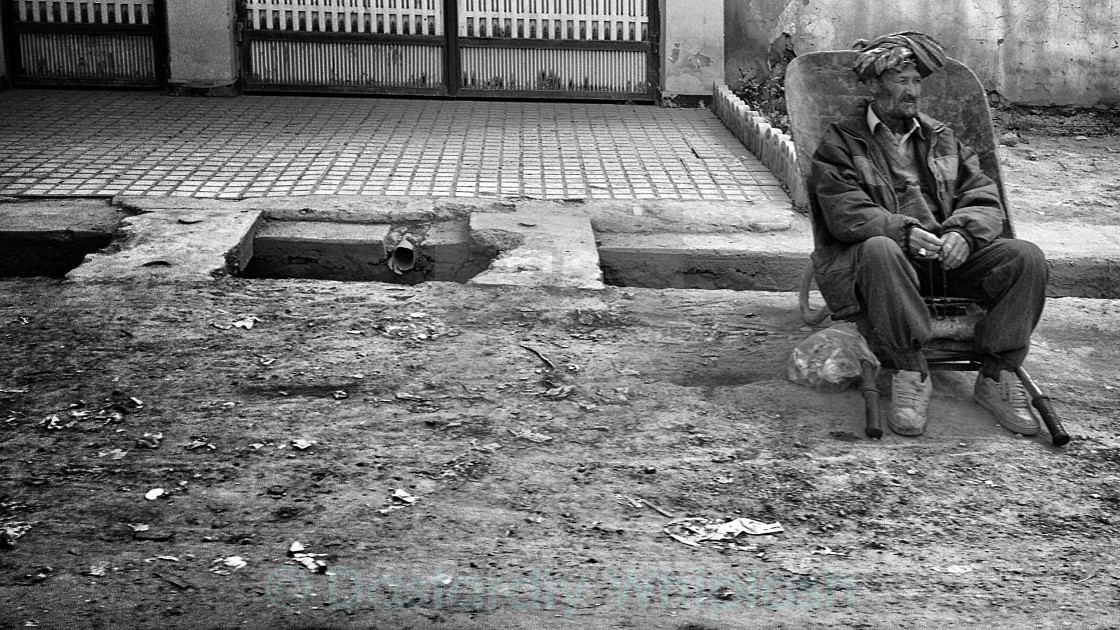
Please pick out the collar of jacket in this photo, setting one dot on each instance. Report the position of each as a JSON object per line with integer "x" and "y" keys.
{"x": 857, "y": 125}
{"x": 856, "y": 128}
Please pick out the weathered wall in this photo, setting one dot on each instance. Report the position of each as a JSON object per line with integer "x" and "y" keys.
{"x": 1033, "y": 52}
{"x": 692, "y": 48}
{"x": 202, "y": 47}
{"x": 3, "y": 60}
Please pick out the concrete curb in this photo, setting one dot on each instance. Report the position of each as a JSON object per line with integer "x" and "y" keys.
{"x": 772, "y": 147}
{"x": 647, "y": 244}
{"x": 175, "y": 244}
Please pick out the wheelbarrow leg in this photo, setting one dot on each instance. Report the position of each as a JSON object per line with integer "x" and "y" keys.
{"x": 869, "y": 387}
{"x": 1041, "y": 402}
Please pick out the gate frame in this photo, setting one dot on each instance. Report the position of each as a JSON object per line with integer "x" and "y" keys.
{"x": 157, "y": 29}
{"x": 453, "y": 44}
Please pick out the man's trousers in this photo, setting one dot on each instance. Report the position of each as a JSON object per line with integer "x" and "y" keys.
{"x": 1007, "y": 278}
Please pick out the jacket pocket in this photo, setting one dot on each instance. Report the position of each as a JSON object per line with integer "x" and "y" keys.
{"x": 867, "y": 172}
{"x": 945, "y": 170}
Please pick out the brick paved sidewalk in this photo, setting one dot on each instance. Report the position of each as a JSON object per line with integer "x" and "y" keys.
{"x": 89, "y": 143}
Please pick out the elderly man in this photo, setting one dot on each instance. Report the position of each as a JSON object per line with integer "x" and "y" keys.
{"x": 907, "y": 213}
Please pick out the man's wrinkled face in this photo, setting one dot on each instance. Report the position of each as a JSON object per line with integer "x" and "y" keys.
{"x": 897, "y": 93}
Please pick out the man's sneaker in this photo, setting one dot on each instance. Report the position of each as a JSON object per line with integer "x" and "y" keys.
{"x": 1007, "y": 399}
{"x": 909, "y": 401}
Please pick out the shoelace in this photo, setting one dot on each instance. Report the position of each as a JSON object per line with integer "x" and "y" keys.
{"x": 1014, "y": 393}
{"x": 907, "y": 392}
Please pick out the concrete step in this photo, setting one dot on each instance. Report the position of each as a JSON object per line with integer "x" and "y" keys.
{"x": 769, "y": 261}
{"x": 538, "y": 245}
{"x": 1084, "y": 260}
{"x": 51, "y": 237}
{"x": 172, "y": 242}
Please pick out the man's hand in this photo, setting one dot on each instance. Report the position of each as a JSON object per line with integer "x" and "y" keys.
{"x": 954, "y": 250}
{"x": 925, "y": 245}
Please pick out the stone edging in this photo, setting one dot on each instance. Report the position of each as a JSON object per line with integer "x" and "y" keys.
{"x": 774, "y": 148}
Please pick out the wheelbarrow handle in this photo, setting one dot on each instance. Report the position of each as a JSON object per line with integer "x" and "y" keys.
{"x": 869, "y": 387}
{"x": 1041, "y": 402}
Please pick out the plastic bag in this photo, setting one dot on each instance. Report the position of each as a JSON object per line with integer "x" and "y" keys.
{"x": 829, "y": 359}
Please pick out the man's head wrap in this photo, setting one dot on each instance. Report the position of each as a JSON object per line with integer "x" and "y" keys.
{"x": 892, "y": 52}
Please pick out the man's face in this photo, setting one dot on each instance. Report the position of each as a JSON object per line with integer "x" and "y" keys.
{"x": 898, "y": 92}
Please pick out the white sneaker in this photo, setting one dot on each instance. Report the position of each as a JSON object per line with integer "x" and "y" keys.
{"x": 1007, "y": 399}
{"x": 909, "y": 402}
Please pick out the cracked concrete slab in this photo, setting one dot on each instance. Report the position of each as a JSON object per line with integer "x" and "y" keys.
{"x": 538, "y": 245}
{"x": 188, "y": 243}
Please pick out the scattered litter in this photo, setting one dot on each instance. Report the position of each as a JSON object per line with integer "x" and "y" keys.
{"x": 199, "y": 442}
{"x": 167, "y": 558}
{"x": 246, "y": 322}
{"x": 302, "y": 444}
{"x": 399, "y": 500}
{"x": 144, "y": 532}
{"x": 154, "y": 494}
{"x": 629, "y": 500}
{"x": 41, "y": 575}
{"x": 13, "y": 391}
{"x": 725, "y": 480}
{"x": 54, "y": 423}
{"x": 150, "y": 441}
{"x": 954, "y": 569}
{"x": 821, "y": 550}
{"x": 115, "y": 453}
{"x": 310, "y": 561}
{"x": 256, "y": 446}
{"x": 340, "y": 394}
{"x": 415, "y": 331}
{"x": 488, "y": 448}
{"x": 99, "y": 570}
{"x": 355, "y": 332}
{"x": 657, "y": 509}
{"x": 174, "y": 581}
{"x": 559, "y": 392}
{"x": 540, "y": 355}
{"x": 695, "y": 530}
{"x": 225, "y": 566}
{"x": 629, "y": 372}
{"x": 529, "y": 434}
{"x": 13, "y": 530}
{"x": 265, "y": 361}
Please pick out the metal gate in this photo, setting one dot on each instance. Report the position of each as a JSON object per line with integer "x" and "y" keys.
{"x": 599, "y": 49}
{"x": 86, "y": 42}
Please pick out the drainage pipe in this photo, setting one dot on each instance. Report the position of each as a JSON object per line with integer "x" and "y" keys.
{"x": 403, "y": 257}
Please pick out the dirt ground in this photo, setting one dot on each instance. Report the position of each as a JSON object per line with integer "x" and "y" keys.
{"x": 538, "y": 442}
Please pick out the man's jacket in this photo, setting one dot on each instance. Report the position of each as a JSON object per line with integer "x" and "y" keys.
{"x": 852, "y": 198}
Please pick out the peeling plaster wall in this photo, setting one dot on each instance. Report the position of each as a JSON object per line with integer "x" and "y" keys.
{"x": 1033, "y": 52}
{"x": 201, "y": 40}
{"x": 692, "y": 48}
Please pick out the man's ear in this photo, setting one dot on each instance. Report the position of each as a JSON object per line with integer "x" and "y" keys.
{"x": 875, "y": 85}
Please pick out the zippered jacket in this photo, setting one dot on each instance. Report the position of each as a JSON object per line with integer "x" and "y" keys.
{"x": 852, "y": 198}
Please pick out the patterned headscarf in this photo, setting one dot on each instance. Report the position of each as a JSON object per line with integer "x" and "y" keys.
{"x": 892, "y": 52}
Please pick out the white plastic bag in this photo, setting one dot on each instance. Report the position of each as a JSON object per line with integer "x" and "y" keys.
{"x": 829, "y": 359}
